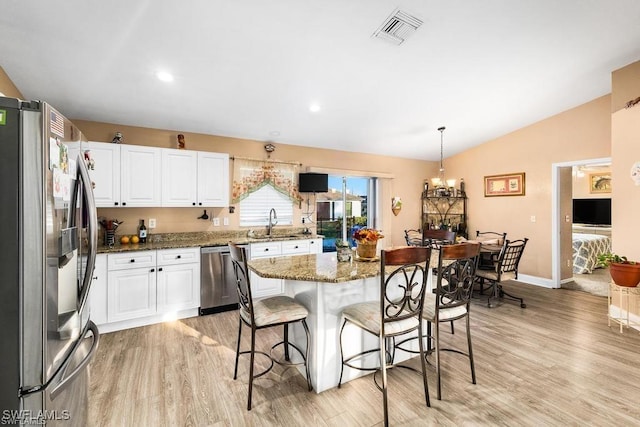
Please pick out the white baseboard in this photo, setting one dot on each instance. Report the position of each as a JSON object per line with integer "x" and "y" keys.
{"x": 145, "y": 321}
{"x": 534, "y": 280}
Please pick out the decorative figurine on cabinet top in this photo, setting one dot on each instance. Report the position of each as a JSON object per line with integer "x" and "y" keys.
{"x": 181, "y": 144}
{"x": 118, "y": 138}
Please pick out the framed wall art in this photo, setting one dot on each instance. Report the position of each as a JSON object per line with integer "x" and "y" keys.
{"x": 600, "y": 182}
{"x": 504, "y": 185}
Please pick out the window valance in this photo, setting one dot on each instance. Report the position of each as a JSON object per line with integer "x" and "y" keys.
{"x": 250, "y": 175}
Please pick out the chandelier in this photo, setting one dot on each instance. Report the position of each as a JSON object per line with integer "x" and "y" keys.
{"x": 441, "y": 186}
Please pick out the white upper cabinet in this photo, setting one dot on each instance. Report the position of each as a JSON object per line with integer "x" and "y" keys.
{"x": 179, "y": 177}
{"x": 104, "y": 172}
{"x": 140, "y": 176}
{"x": 140, "y": 171}
{"x": 213, "y": 179}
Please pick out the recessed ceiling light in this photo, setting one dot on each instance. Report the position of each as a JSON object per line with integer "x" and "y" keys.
{"x": 274, "y": 133}
{"x": 164, "y": 76}
{"x": 314, "y": 108}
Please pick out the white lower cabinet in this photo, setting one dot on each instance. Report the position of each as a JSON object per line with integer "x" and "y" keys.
{"x": 178, "y": 279}
{"x": 131, "y": 293}
{"x": 263, "y": 287}
{"x": 145, "y": 287}
{"x": 98, "y": 291}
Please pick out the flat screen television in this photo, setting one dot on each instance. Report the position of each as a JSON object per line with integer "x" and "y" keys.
{"x": 592, "y": 211}
{"x": 313, "y": 183}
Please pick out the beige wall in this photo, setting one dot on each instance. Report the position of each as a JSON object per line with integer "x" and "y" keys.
{"x": 581, "y": 133}
{"x": 625, "y": 152}
{"x": 7, "y": 87}
{"x": 407, "y": 182}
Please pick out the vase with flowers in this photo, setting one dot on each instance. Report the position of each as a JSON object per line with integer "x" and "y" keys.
{"x": 366, "y": 242}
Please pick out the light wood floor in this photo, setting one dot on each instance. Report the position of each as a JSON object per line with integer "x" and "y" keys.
{"x": 554, "y": 363}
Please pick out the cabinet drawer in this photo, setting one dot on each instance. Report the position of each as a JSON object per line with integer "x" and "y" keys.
{"x": 178, "y": 256}
{"x": 131, "y": 260}
{"x": 315, "y": 246}
{"x": 267, "y": 249}
{"x": 295, "y": 247}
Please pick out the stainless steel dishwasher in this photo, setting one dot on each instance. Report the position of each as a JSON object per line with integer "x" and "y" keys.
{"x": 217, "y": 281}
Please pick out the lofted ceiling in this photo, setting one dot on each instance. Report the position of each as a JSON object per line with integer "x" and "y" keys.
{"x": 252, "y": 68}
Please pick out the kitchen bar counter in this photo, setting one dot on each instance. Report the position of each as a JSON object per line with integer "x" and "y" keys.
{"x": 190, "y": 240}
{"x": 325, "y": 287}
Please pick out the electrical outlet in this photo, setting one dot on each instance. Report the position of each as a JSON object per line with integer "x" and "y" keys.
{"x": 225, "y": 220}
{"x": 152, "y": 223}
{"x": 533, "y": 218}
{"x": 216, "y": 222}
{"x": 568, "y": 263}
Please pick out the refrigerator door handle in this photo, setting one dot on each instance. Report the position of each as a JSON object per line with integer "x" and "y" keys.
{"x": 92, "y": 231}
{"x": 94, "y": 346}
{"x": 24, "y": 391}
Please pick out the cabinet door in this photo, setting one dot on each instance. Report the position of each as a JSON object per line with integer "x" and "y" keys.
{"x": 179, "y": 177}
{"x": 213, "y": 179}
{"x": 261, "y": 286}
{"x": 178, "y": 287}
{"x": 131, "y": 293}
{"x": 98, "y": 291}
{"x": 140, "y": 170}
{"x": 104, "y": 173}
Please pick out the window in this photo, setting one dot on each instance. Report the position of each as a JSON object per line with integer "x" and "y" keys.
{"x": 254, "y": 209}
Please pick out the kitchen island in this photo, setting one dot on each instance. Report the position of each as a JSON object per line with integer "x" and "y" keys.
{"x": 325, "y": 286}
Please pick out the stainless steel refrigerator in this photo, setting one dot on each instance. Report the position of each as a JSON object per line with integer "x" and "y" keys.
{"x": 48, "y": 248}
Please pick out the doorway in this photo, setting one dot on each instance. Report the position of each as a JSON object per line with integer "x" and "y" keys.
{"x": 597, "y": 281}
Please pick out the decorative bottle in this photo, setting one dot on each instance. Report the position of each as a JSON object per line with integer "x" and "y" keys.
{"x": 142, "y": 232}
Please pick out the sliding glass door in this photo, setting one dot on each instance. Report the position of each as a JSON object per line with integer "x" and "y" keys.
{"x": 348, "y": 205}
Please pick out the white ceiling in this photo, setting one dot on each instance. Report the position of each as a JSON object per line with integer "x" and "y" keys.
{"x": 250, "y": 68}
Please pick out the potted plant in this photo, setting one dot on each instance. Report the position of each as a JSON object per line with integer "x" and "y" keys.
{"x": 366, "y": 242}
{"x": 623, "y": 271}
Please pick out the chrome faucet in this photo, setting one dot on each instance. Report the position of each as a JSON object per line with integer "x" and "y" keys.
{"x": 271, "y": 221}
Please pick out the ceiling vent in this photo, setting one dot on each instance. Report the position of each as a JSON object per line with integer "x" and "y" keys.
{"x": 397, "y": 27}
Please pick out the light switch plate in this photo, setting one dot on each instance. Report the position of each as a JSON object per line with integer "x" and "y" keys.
{"x": 225, "y": 220}
{"x": 216, "y": 222}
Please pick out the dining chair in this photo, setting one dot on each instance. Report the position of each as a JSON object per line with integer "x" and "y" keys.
{"x": 403, "y": 284}
{"x": 489, "y": 238}
{"x": 265, "y": 313}
{"x": 451, "y": 302}
{"x": 413, "y": 237}
{"x": 504, "y": 268}
{"x": 437, "y": 238}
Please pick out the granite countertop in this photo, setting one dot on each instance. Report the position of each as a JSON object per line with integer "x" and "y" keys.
{"x": 314, "y": 268}
{"x": 322, "y": 267}
{"x": 199, "y": 239}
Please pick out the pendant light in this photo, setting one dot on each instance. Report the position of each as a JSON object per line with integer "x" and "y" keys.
{"x": 442, "y": 187}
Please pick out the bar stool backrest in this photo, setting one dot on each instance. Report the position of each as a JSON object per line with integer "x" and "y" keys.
{"x": 243, "y": 283}
{"x": 403, "y": 283}
{"x": 456, "y": 274}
